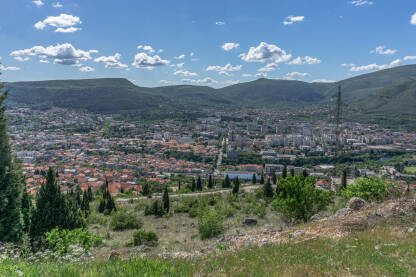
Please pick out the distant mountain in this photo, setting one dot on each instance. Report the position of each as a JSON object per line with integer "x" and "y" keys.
{"x": 383, "y": 94}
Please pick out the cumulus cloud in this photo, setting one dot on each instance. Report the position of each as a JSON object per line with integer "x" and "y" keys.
{"x": 359, "y": 3}
{"x": 261, "y": 75}
{"x": 265, "y": 52}
{"x": 43, "y": 61}
{"x": 297, "y": 74}
{"x": 305, "y": 60}
{"x": 206, "y": 80}
{"x": 111, "y": 61}
{"x": 180, "y": 57}
{"x": 231, "y": 82}
{"x": 86, "y": 69}
{"x": 64, "y": 23}
{"x": 220, "y": 23}
{"x": 413, "y": 19}
{"x": 38, "y": 3}
{"x": 347, "y": 64}
{"x": 142, "y": 60}
{"x": 383, "y": 50}
{"x": 21, "y": 59}
{"x": 147, "y": 48}
{"x": 292, "y": 19}
{"x": 374, "y": 66}
{"x": 268, "y": 67}
{"x": 224, "y": 70}
{"x": 185, "y": 73}
{"x": 166, "y": 82}
{"x": 322, "y": 81}
{"x": 409, "y": 58}
{"x": 180, "y": 65}
{"x": 65, "y": 54}
{"x": 8, "y": 68}
{"x": 228, "y": 46}
{"x": 57, "y": 5}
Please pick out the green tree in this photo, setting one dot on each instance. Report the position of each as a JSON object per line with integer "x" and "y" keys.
{"x": 236, "y": 187}
{"x": 267, "y": 189}
{"x": 344, "y": 179}
{"x": 226, "y": 183}
{"x": 26, "y": 210}
{"x": 210, "y": 182}
{"x": 371, "y": 189}
{"x": 193, "y": 186}
{"x": 274, "y": 178}
{"x": 262, "y": 179}
{"x": 179, "y": 185}
{"x": 299, "y": 198}
{"x": 284, "y": 172}
{"x": 292, "y": 172}
{"x": 85, "y": 203}
{"x": 199, "y": 183}
{"x": 11, "y": 184}
{"x": 146, "y": 189}
{"x": 165, "y": 200}
{"x": 107, "y": 204}
{"x": 254, "y": 179}
{"x": 305, "y": 173}
{"x": 90, "y": 195}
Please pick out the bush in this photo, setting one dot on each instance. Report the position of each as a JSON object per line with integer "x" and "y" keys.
{"x": 95, "y": 218}
{"x": 148, "y": 238}
{"x": 123, "y": 220}
{"x": 371, "y": 189}
{"x": 299, "y": 198}
{"x": 210, "y": 224}
{"x": 61, "y": 240}
{"x": 155, "y": 209}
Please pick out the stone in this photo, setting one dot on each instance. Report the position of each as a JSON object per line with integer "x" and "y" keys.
{"x": 162, "y": 227}
{"x": 410, "y": 230}
{"x": 356, "y": 204}
{"x": 250, "y": 221}
{"x": 343, "y": 212}
{"x": 315, "y": 217}
{"x": 114, "y": 255}
{"x": 298, "y": 233}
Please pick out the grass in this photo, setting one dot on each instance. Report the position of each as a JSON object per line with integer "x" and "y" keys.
{"x": 411, "y": 169}
{"x": 387, "y": 250}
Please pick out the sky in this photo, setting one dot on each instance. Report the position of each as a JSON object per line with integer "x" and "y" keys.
{"x": 215, "y": 43}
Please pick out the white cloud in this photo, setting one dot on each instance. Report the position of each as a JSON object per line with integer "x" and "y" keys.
{"x": 38, "y": 3}
{"x": 180, "y": 57}
{"x": 246, "y": 75}
{"x": 180, "y": 65}
{"x": 265, "y": 52}
{"x": 374, "y": 66}
{"x": 347, "y": 64}
{"x": 8, "y": 68}
{"x": 322, "y": 81}
{"x": 231, "y": 82}
{"x": 409, "y": 58}
{"x": 64, "y": 23}
{"x": 21, "y": 59}
{"x": 358, "y": 3}
{"x": 111, "y": 61}
{"x": 261, "y": 75}
{"x": 206, "y": 80}
{"x": 292, "y": 19}
{"x": 86, "y": 69}
{"x": 142, "y": 60}
{"x": 230, "y": 46}
{"x": 382, "y": 50}
{"x": 166, "y": 82}
{"x": 305, "y": 60}
{"x": 413, "y": 19}
{"x": 57, "y": 5}
{"x": 147, "y": 48}
{"x": 43, "y": 61}
{"x": 65, "y": 54}
{"x": 297, "y": 74}
{"x": 268, "y": 67}
{"x": 220, "y": 23}
{"x": 185, "y": 73}
{"x": 224, "y": 70}
{"x": 191, "y": 54}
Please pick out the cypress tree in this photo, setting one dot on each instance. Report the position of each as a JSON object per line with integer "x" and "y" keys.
{"x": 85, "y": 204}
{"x": 236, "y": 187}
{"x": 146, "y": 189}
{"x": 274, "y": 178}
{"x": 165, "y": 200}
{"x": 254, "y": 178}
{"x": 227, "y": 182}
{"x": 305, "y": 173}
{"x": 107, "y": 204}
{"x": 78, "y": 193}
{"x": 199, "y": 183}
{"x": 268, "y": 190}
{"x": 90, "y": 195}
{"x": 262, "y": 179}
{"x": 26, "y": 210}
{"x": 292, "y": 172}
{"x": 193, "y": 187}
{"x": 11, "y": 184}
{"x": 179, "y": 185}
{"x": 344, "y": 179}
{"x": 284, "y": 172}
{"x": 210, "y": 182}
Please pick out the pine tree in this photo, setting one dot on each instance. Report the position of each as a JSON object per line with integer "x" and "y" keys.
{"x": 26, "y": 210}
{"x": 292, "y": 172}
{"x": 165, "y": 200}
{"x": 146, "y": 189}
{"x": 268, "y": 190}
{"x": 254, "y": 179}
{"x": 78, "y": 193}
{"x": 11, "y": 184}
{"x": 226, "y": 183}
{"x": 107, "y": 204}
{"x": 344, "y": 179}
{"x": 90, "y": 195}
{"x": 210, "y": 182}
{"x": 179, "y": 185}
{"x": 274, "y": 178}
{"x": 85, "y": 204}
{"x": 193, "y": 186}
{"x": 305, "y": 173}
{"x": 284, "y": 172}
{"x": 262, "y": 179}
{"x": 199, "y": 183}
{"x": 236, "y": 187}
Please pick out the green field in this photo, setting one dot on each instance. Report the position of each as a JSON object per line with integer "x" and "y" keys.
{"x": 411, "y": 169}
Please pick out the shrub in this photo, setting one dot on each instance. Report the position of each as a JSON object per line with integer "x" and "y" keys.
{"x": 95, "y": 218}
{"x": 155, "y": 209}
{"x": 61, "y": 240}
{"x": 299, "y": 198}
{"x": 123, "y": 220}
{"x": 210, "y": 224}
{"x": 148, "y": 238}
{"x": 371, "y": 189}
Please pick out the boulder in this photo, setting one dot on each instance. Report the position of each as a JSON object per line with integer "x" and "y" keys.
{"x": 250, "y": 221}
{"x": 298, "y": 233}
{"x": 356, "y": 204}
{"x": 315, "y": 217}
{"x": 114, "y": 255}
{"x": 343, "y": 212}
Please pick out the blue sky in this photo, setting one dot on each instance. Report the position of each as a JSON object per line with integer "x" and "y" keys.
{"x": 215, "y": 43}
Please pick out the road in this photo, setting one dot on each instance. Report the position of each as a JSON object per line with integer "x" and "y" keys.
{"x": 219, "y": 160}
{"x": 243, "y": 188}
